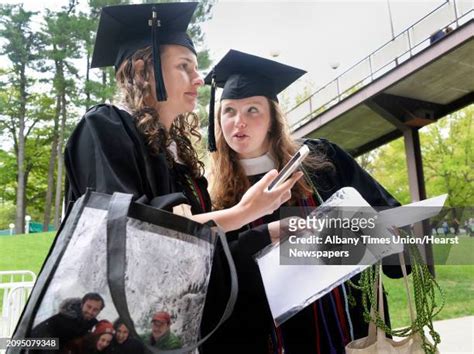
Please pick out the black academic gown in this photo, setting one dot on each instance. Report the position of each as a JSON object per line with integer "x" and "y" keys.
{"x": 107, "y": 153}
{"x": 250, "y": 327}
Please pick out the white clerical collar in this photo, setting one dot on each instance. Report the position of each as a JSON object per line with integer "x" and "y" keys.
{"x": 173, "y": 148}
{"x": 258, "y": 165}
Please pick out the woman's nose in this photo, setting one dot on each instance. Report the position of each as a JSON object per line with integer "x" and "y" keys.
{"x": 198, "y": 80}
{"x": 240, "y": 121}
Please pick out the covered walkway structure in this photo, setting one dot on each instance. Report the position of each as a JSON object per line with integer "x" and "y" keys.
{"x": 409, "y": 82}
{"x": 402, "y": 86}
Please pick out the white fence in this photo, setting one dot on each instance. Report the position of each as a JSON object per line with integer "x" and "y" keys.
{"x": 15, "y": 287}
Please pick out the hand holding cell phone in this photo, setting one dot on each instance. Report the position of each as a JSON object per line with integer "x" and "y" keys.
{"x": 290, "y": 167}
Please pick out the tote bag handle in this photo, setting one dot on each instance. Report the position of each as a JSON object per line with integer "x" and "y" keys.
{"x": 116, "y": 252}
{"x": 373, "y": 329}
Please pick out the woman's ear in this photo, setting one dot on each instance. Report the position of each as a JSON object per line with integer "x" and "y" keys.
{"x": 138, "y": 67}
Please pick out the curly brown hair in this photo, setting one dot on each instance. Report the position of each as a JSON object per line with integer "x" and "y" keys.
{"x": 134, "y": 89}
{"x": 229, "y": 182}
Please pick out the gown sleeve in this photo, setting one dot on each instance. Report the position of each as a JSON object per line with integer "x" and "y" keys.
{"x": 102, "y": 154}
{"x": 353, "y": 175}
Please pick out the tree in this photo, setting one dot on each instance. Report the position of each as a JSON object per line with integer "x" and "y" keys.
{"x": 22, "y": 47}
{"x": 447, "y": 158}
{"x": 7, "y": 177}
{"x": 38, "y": 150}
{"x": 366, "y": 161}
{"x": 447, "y": 161}
{"x": 102, "y": 89}
{"x": 390, "y": 169}
{"x": 61, "y": 33}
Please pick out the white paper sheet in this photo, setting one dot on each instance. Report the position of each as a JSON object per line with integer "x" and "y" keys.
{"x": 290, "y": 288}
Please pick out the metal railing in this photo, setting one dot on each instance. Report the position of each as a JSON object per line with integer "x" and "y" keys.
{"x": 11, "y": 276}
{"x": 15, "y": 288}
{"x": 387, "y": 57}
{"x": 16, "y": 295}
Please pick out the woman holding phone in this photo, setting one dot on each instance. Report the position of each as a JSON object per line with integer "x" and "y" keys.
{"x": 251, "y": 137}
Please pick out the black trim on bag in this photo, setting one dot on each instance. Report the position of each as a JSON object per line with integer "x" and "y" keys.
{"x": 116, "y": 256}
{"x": 99, "y": 201}
{"x": 118, "y": 213}
{"x": 169, "y": 220}
{"x": 155, "y": 216}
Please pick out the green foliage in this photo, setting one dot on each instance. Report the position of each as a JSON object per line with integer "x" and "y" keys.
{"x": 22, "y": 45}
{"x": 390, "y": 169}
{"x": 447, "y": 161}
{"x": 447, "y": 157}
{"x": 99, "y": 84}
{"x": 7, "y": 214}
{"x": 366, "y": 161}
{"x": 9, "y": 108}
{"x": 8, "y": 170}
{"x": 61, "y": 34}
{"x": 204, "y": 93}
{"x": 201, "y": 15}
{"x": 204, "y": 61}
{"x": 308, "y": 89}
{"x": 38, "y": 149}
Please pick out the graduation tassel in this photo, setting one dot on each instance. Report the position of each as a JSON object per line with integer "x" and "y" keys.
{"x": 159, "y": 84}
{"x": 211, "y": 139}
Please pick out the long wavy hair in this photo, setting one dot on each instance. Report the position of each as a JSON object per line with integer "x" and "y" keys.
{"x": 229, "y": 181}
{"x": 134, "y": 89}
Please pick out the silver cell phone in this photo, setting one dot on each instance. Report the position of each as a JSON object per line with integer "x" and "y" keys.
{"x": 290, "y": 167}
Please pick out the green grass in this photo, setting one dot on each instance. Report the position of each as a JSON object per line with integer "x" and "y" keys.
{"x": 457, "y": 283}
{"x": 454, "y": 268}
{"x": 461, "y": 253}
{"x": 24, "y": 252}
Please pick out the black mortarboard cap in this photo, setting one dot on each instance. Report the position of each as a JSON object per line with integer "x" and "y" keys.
{"x": 243, "y": 75}
{"x": 124, "y": 29}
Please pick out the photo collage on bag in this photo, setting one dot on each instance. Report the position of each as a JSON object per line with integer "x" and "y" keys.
{"x": 165, "y": 280}
{"x": 79, "y": 330}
